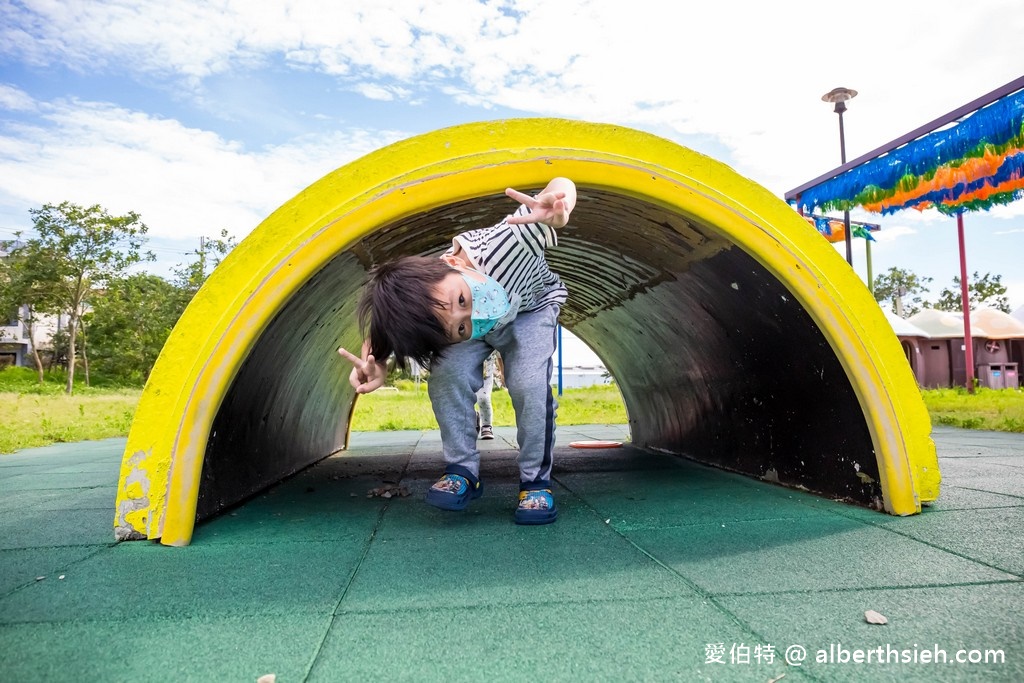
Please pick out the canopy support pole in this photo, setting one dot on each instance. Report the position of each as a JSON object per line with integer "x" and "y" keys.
{"x": 871, "y": 274}
{"x": 966, "y": 302}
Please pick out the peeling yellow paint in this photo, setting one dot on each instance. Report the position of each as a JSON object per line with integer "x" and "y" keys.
{"x": 133, "y": 501}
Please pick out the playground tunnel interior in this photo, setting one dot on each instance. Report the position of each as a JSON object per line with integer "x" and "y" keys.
{"x": 715, "y": 359}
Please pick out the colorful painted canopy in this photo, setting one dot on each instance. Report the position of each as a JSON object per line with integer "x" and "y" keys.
{"x": 971, "y": 166}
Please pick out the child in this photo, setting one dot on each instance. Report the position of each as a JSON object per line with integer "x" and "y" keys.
{"x": 485, "y": 407}
{"x": 491, "y": 290}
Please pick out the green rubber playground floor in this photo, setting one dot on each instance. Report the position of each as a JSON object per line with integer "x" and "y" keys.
{"x": 657, "y": 569}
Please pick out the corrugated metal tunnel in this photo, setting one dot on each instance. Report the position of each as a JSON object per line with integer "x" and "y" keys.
{"x": 736, "y": 335}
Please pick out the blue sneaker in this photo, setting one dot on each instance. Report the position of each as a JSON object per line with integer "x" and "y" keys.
{"x": 453, "y": 492}
{"x": 536, "y": 507}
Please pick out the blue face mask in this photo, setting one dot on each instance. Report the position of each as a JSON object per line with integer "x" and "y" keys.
{"x": 490, "y": 304}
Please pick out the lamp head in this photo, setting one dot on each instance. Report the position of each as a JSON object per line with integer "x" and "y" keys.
{"x": 839, "y": 96}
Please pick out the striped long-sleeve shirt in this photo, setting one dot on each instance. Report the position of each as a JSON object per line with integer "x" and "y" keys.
{"x": 514, "y": 256}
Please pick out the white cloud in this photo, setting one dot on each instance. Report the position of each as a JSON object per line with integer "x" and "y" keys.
{"x": 1008, "y": 211}
{"x": 183, "y": 181}
{"x": 892, "y": 233}
{"x": 1014, "y": 291}
{"x": 15, "y": 99}
{"x": 749, "y": 74}
{"x": 373, "y": 91}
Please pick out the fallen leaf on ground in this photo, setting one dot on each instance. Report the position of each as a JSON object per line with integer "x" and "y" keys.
{"x": 387, "y": 492}
{"x": 267, "y": 678}
{"x": 873, "y": 617}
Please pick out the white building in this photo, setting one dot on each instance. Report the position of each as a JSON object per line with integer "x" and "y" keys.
{"x": 15, "y": 344}
{"x": 577, "y": 377}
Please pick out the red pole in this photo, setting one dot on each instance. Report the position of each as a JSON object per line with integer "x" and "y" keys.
{"x": 966, "y": 301}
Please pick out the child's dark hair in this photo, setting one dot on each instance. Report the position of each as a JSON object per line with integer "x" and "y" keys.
{"x": 399, "y": 309}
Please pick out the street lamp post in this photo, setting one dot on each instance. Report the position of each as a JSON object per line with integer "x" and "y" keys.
{"x": 839, "y": 96}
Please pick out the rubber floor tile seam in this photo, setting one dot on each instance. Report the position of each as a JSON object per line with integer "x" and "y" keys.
{"x": 341, "y": 598}
{"x": 857, "y": 589}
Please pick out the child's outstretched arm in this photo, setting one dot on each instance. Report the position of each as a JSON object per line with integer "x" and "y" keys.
{"x": 367, "y": 374}
{"x": 551, "y": 207}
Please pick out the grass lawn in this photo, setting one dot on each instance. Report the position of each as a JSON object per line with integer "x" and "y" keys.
{"x": 991, "y": 409}
{"x": 40, "y": 419}
{"x": 37, "y": 415}
{"x": 409, "y": 408}
{"x": 999, "y": 410}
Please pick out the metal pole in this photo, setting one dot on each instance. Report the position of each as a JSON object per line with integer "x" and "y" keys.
{"x": 871, "y": 275}
{"x": 202, "y": 258}
{"x": 840, "y": 108}
{"x": 966, "y": 302}
{"x": 559, "y": 360}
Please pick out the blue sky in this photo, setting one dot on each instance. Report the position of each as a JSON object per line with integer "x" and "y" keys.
{"x": 209, "y": 115}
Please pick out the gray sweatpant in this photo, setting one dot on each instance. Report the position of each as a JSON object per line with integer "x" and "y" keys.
{"x": 526, "y": 345}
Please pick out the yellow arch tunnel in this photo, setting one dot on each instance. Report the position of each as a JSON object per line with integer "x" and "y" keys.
{"x": 738, "y": 337}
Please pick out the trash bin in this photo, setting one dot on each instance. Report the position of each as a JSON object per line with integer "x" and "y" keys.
{"x": 991, "y": 376}
{"x": 1011, "y": 378}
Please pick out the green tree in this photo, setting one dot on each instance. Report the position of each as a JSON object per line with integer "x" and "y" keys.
{"x": 190, "y": 277}
{"x": 903, "y": 289}
{"x": 59, "y": 349}
{"x": 129, "y": 323}
{"x": 133, "y": 316}
{"x": 78, "y": 249}
{"x": 986, "y": 291}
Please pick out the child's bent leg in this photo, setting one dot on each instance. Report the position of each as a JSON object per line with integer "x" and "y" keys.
{"x": 454, "y": 381}
{"x": 527, "y": 346}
